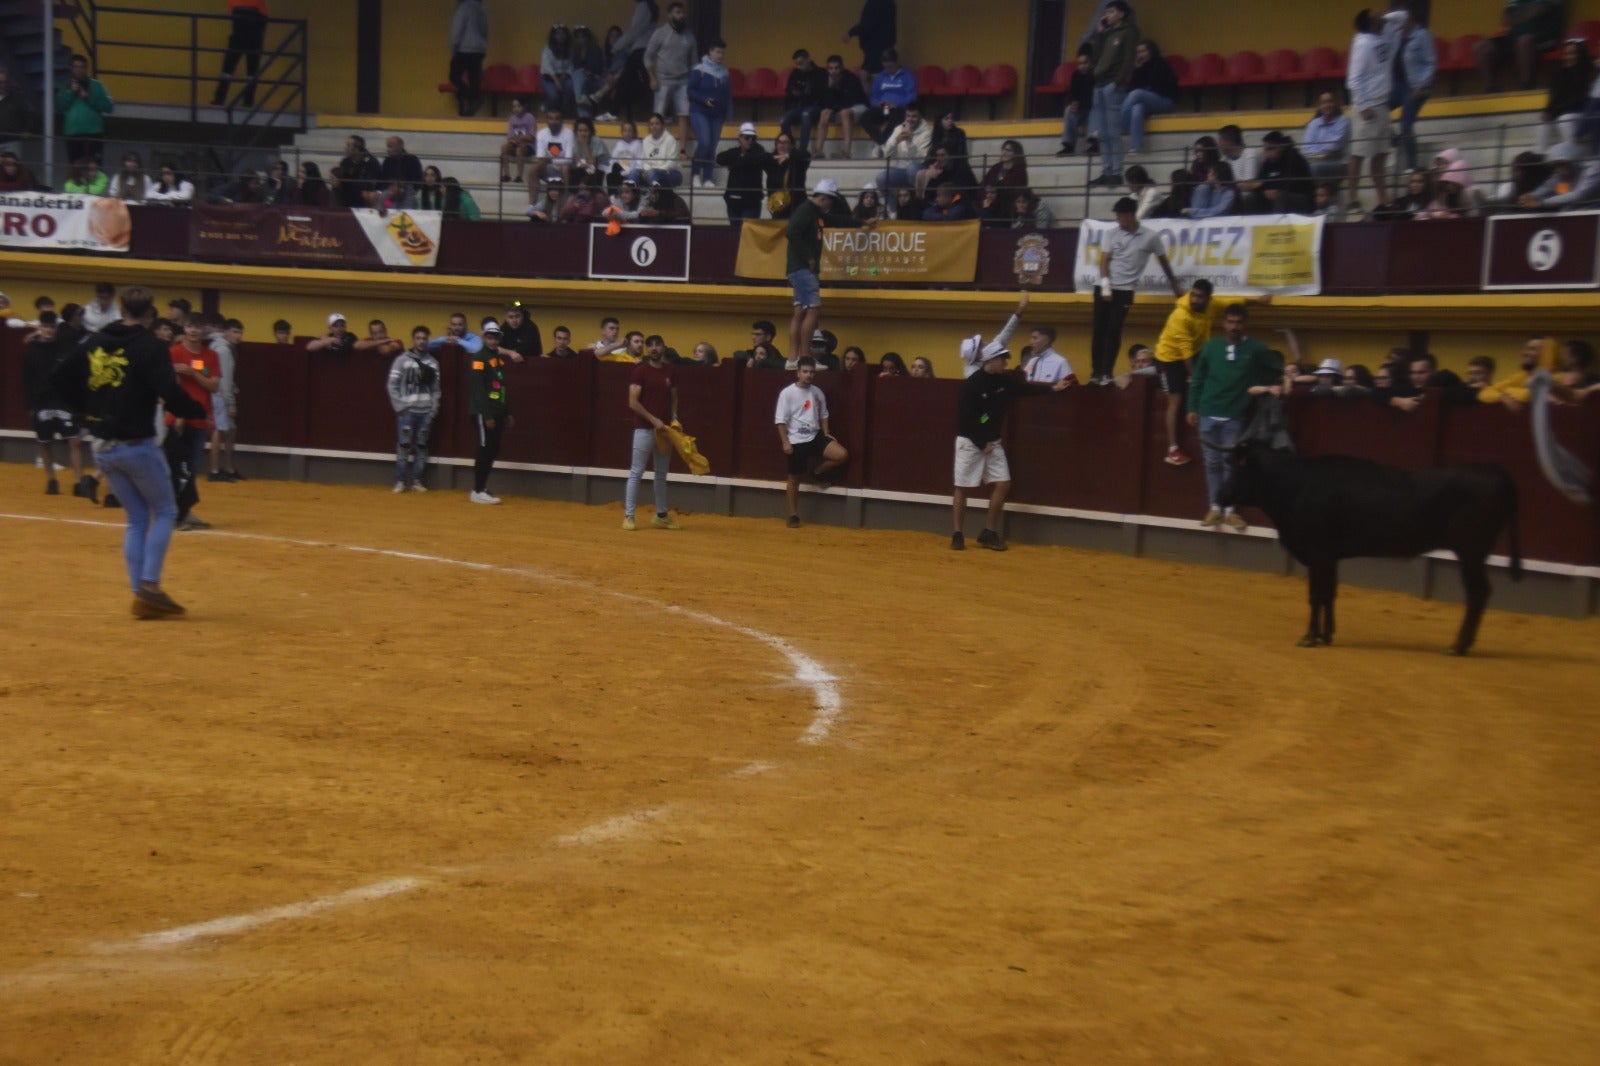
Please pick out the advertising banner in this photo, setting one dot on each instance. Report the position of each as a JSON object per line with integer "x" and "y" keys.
{"x": 257, "y": 233}
{"x": 639, "y": 253}
{"x": 894, "y": 253}
{"x": 1249, "y": 254}
{"x": 1545, "y": 251}
{"x": 64, "y": 220}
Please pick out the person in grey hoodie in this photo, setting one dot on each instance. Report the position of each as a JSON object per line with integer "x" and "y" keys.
{"x": 469, "y": 43}
{"x": 414, "y": 393}
{"x": 668, "y": 58}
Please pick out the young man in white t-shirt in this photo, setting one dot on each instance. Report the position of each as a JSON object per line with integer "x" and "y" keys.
{"x": 802, "y": 421}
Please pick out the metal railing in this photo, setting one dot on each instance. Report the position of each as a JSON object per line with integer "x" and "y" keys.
{"x": 478, "y": 172}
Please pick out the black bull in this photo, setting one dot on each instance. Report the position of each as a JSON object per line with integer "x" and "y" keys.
{"x": 1335, "y": 507}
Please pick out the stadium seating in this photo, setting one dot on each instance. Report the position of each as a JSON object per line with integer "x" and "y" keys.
{"x": 930, "y": 84}
{"x": 1457, "y": 57}
{"x": 998, "y": 80}
{"x": 502, "y": 79}
{"x": 1280, "y": 67}
{"x": 1205, "y": 69}
{"x": 960, "y": 83}
{"x": 760, "y": 84}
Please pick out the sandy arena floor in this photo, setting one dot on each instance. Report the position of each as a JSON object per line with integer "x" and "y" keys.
{"x": 587, "y": 800}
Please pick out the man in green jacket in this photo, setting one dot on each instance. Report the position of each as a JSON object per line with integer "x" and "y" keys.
{"x": 1113, "y": 48}
{"x": 82, "y": 104}
{"x": 1228, "y": 372}
{"x": 822, "y": 209}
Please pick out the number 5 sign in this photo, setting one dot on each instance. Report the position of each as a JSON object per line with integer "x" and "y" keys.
{"x": 1547, "y": 251}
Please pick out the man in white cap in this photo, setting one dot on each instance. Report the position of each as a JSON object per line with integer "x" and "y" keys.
{"x": 822, "y": 209}
{"x": 486, "y": 397}
{"x": 980, "y": 457}
{"x": 336, "y": 339}
{"x": 974, "y": 351}
{"x": 747, "y": 172}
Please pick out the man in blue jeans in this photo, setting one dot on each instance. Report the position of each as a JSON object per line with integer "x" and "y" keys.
{"x": 115, "y": 378}
{"x": 653, "y": 399}
{"x": 1229, "y": 372}
{"x": 1115, "y": 48}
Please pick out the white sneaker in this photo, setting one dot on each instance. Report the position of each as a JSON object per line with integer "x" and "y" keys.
{"x": 483, "y": 497}
{"x": 399, "y": 487}
{"x": 877, "y": 151}
{"x": 419, "y": 487}
{"x": 605, "y": 116}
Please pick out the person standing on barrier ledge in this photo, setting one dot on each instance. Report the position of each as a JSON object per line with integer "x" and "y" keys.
{"x": 115, "y": 379}
{"x": 823, "y": 208}
{"x": 1122, "y": 263}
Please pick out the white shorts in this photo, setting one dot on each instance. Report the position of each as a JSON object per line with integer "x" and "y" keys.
{"x": 974, "y": 467}
{"x": 1370, "y": 137}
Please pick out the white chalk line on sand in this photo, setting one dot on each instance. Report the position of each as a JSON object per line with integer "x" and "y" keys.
{"x": 806, "y": 671}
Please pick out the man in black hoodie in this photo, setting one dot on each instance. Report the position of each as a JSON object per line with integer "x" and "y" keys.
{"x": 115, "y": 378}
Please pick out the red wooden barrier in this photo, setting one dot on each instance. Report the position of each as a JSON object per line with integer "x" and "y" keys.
{"x": 1090, "y": 449}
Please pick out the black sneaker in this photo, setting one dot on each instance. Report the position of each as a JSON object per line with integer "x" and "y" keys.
{"x": 90, "y": 489}
{"x": 154, "y": 604}
{"x": 991, "y": 540}
{"x": 1094, "y": 146}
{"x": 794, "y": 521}
{"x": 1067, "y": 148}
{"x": 958, "y": 542}
{"x": 216, "y": 475}
{"x": 234, "y": 475}
{"x": 111, "y": 500}
{"x": 53, "y": 488}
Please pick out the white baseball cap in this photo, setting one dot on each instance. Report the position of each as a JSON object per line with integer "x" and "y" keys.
{"x": 826, "y": 187}
{"x": 748, "y": 129}
{"x": 335, "y": 317}
{"x": 1330, "y": 366}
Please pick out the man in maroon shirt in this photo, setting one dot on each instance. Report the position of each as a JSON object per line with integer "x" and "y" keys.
{"x": 653, "y": 399}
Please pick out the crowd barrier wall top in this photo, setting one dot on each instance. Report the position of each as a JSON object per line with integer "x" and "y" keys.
{"x": 1358, "y": 259}
{"x": 1096, "y": 450}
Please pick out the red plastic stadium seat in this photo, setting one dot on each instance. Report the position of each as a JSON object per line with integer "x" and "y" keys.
{"x": 1245, "y": 68}
{"x": 1058, "y": 83}
{"x": 736, "y": 82}
{"x": 761, "y": 84}
{"x": 527, "y": 82}
{"x": 1282, "y": 66}
{"x": 930, "y": 82}
{"x": 995, "y": 82}
{"x": 500, "y": 78}
{"x": 1320, "y": 63}
{"x": 1208, "y": 68}
{"x": 963, "y": 80}
{"x": 1461, "y": 55}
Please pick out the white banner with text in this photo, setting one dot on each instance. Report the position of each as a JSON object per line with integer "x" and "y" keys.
{"x": 1250, "y": 254}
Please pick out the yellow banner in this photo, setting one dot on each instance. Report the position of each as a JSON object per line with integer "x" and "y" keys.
{"x": 893, "y": 253}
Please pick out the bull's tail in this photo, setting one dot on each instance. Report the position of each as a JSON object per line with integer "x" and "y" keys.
{"x": 1515, "y": 540}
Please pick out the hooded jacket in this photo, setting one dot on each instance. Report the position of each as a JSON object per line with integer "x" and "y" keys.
{"x": 115, "y": 378}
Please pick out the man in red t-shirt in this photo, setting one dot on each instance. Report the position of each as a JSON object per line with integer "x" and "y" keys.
{"x": 653, "y": 399}
{"x": 199, "y": 372}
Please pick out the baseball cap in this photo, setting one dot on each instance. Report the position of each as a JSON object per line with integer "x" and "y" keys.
{"x": 748, "y": 129}
{"x": 1330, "y": 366}
{"x": 819, "y": 339}
{"x": 826, "y": 187}
{"x": 335, "y": 317}
{"x": 490, "y": 326}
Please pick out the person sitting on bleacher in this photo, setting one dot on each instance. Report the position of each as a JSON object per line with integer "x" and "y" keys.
{"x": 1011, "y": 173}
{"x": 1326, "y": 139}
{"x": 1028, "y": 211}
{"x": 1450, "y": 169}
{"x": 1215, "y": 196}
{"x": 1528, "y": 171}
{"x": 1080, "y": 101}
{"x": 586, "y": 204}
{"x": 588, "y": 66}
{"x": 547, "y": 208}
{"x": 907, "y": 148}
{"x": 1533, "y": 27}
{"x": 843, "y": 101}
{"x": 870, "y": 204}
{"x": 1569, "y": 94}
{"x": 1325, "y": 202}
{"x": 1245, "y": 160}
{"x": 1286, "y": 184}
{"x": 945, "y": 169}
{"x": 894, "y": 91}
{"x": 1413, "y": 203}
{"x": 1152, "y": 90}
{"x": 950, "y": 204}
{"x": 663, "y": 204}
{"x": 949, "y": 136}
{"x": 802, "y": 97}
{"x": 908, "y": 206}
{"x": 1144, "y": 191}
{"x": 1569, "y": 185}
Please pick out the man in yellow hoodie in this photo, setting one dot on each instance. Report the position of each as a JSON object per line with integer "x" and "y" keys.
{"x": 1538, "y": 352}
{"x": 1191, "y": 323}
